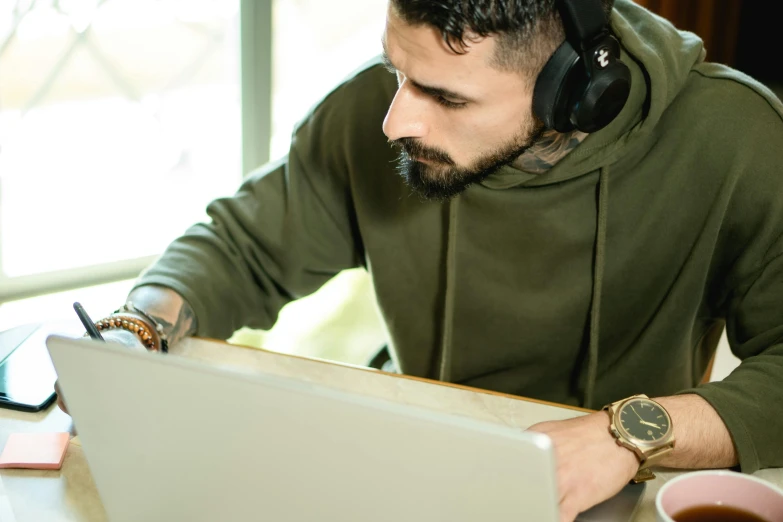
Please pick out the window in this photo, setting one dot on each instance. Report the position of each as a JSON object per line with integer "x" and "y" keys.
{"x": 99, "y": 301}
{"x": 121, "y": 119}
{"x": 316, "y": 44}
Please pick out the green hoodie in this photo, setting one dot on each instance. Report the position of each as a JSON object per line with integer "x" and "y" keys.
{"x": 608, "y": 275}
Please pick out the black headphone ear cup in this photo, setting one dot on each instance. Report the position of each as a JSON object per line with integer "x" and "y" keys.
{"x": 553, "y": 89}
{"x": 604, "y": 95}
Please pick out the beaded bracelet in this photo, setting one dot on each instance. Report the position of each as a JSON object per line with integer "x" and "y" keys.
{"x": 131, "y": 309}
{"x": 132, "y": 325}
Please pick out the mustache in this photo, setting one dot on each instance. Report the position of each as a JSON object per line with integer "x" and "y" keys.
{"x": 414, "y": 149}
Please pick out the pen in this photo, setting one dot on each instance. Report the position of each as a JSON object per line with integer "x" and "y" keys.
{"x": 87, "y": 322}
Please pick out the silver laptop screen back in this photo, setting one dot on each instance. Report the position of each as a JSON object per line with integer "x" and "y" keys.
{"x": 171, "y": 439}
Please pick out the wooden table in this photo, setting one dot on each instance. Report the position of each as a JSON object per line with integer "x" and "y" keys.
{"x": 70, "y": 495}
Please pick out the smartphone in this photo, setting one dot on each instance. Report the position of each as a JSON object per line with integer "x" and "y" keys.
{"x": 27, "y": 375}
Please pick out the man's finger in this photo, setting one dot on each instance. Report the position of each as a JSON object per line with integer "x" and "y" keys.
{"x": 568, "y": 512}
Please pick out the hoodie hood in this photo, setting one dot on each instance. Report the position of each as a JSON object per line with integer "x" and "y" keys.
{"x": 660, "y": 58}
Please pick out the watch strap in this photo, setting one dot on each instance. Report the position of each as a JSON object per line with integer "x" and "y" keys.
{"x": 643, "y": 475}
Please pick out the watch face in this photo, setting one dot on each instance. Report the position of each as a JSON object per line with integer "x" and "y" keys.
{"x": 644, "y": 420}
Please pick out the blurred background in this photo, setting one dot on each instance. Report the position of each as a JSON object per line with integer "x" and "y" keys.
{"x": 121, "y": 119}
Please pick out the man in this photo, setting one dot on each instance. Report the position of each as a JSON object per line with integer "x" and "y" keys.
{"x": 580, "y": 267}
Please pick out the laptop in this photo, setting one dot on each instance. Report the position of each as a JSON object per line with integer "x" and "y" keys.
{"x": 170, "y": 438}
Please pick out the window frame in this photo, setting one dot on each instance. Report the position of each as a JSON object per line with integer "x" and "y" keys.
{"x": 255, "y": 18}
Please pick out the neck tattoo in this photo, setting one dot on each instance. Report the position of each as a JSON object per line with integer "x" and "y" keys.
{"x": 552, "y": 147}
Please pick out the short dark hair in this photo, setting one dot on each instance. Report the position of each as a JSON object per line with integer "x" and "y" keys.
{"x": 528, "y": 31}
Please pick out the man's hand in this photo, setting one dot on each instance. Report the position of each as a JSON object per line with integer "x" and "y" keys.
{"x": 591, "y": 466}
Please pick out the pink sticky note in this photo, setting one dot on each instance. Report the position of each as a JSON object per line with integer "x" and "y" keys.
{"x": 35, "y": 450}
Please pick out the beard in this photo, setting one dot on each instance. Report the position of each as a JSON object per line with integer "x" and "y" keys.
{"x": 440, "y": 179}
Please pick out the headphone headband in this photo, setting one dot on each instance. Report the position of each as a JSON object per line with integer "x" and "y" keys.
{"x": 584, "y": 21}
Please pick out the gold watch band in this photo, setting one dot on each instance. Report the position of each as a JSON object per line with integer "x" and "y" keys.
{"x": 643, "y": 475}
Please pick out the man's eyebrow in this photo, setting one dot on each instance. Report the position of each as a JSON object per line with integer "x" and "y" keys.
{"x": 430, "y": 90}
{"x": 440, "y": 91}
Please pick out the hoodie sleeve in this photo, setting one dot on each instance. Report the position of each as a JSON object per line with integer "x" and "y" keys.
{"x": 285, "y": 233}
{"x": 290, "y": 227}
{"x": 750, "y": 399}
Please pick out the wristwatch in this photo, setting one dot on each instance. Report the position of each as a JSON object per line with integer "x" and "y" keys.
{"x": 643, "y": 426}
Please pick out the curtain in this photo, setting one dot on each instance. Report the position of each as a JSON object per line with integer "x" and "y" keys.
{"x": 715, "y": 21}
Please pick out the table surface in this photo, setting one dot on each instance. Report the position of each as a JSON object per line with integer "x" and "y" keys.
{"x": 70, "y": 495}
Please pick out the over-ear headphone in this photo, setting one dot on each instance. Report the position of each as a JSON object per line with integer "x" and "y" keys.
{"x": 584, "y": 85}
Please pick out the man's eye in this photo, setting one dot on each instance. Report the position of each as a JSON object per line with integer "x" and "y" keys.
{"x": 448, "y": 103}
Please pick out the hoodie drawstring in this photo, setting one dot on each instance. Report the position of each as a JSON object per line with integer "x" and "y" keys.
{"x": 448, "y": 307}
{"x": 595, "y": 305}
{"x": 598, "y": 280}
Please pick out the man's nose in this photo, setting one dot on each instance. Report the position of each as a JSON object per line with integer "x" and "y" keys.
{"x": 406, "y": 115}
